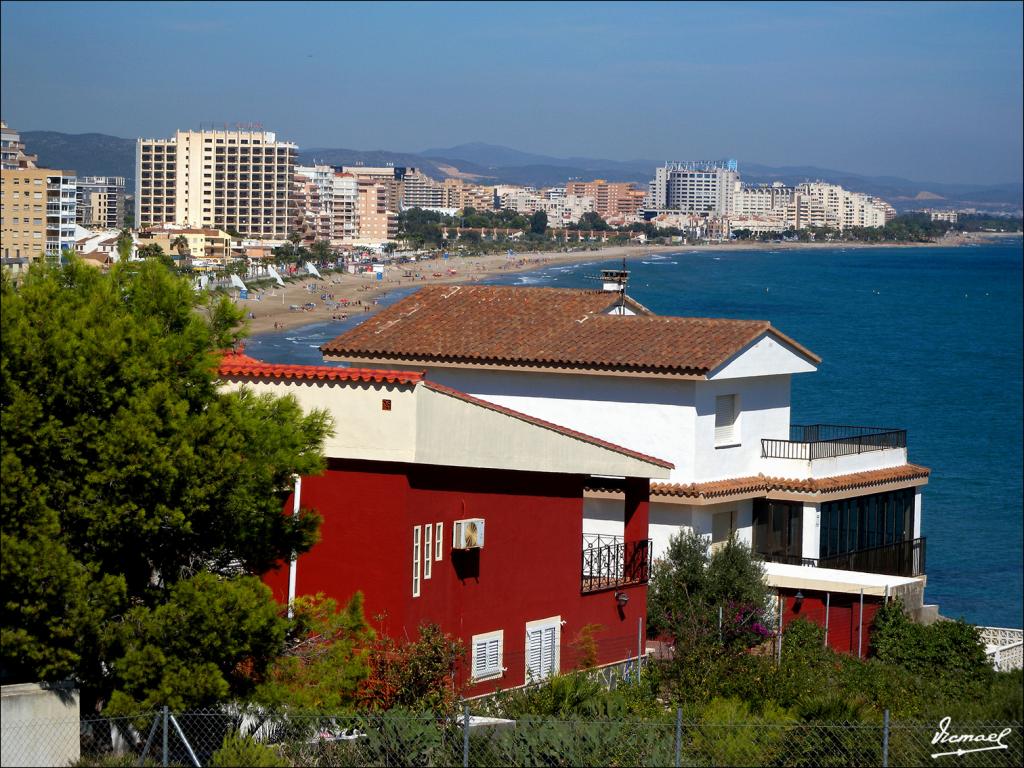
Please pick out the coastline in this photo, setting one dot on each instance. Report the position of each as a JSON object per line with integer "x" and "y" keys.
{"x": 360, "y": 293}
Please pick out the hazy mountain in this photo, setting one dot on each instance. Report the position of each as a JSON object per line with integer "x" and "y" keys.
{"x": 88, "y": 154}
{"x": 103, "y": 155}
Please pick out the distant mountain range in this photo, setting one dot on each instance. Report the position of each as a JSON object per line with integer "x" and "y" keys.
{"x": 97, "y": 154}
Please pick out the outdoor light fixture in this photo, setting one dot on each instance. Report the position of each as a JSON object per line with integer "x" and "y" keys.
{"x": 798, "y": 600}
{"x": 621, "y": 598}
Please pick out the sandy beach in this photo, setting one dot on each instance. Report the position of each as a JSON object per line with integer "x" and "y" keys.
{"x": 346, "y": 294}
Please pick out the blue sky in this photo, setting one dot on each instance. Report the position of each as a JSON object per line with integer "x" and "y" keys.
{"x": 928, "y": 91}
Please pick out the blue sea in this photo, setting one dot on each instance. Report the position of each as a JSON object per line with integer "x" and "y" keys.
{"x": 925, "y": 339}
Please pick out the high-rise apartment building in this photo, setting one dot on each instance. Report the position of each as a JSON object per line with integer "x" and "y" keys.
{"x": 611, "y": 199}
{"x": 377, "y": 223}
{"x": 765, "y": 200}
{"x": 695, "y": 187}
{"x": 101, "y": 203}
{"x": 37, "y": 212}
{"x": 234, "y": 180}
{"x": 460, "y": 195}
{"x": 843, "y": 209}
{"x": 12, "y": 150}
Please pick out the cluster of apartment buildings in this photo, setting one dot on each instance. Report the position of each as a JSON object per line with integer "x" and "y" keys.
{"x": 46, "y": 210}
{"x": 701, "y": 194}
{"x": 213, "y": 184}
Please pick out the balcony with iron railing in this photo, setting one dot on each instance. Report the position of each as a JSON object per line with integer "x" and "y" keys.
{"x": 610, "y": 562}
{"x": 817, "y": 450}
{"x": 902, "y": 558}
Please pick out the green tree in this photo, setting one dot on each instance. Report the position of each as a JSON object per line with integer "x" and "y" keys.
{"x": 156, "y": 253}
{"x": 592, "y": 220}
{"x": 127, "y": 471}
{"x": 321, "y": 251}
{"x": 124, "y": 244}
{"x": 326, "y": 659}
{"x": 539, "y": 223}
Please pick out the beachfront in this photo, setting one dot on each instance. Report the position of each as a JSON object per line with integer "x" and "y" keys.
{"x": 271, "y": 309}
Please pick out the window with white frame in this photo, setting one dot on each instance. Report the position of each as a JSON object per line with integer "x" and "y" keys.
{"x": 428, "y": 549}
{"x": 416, "y": 561}
{"x": 542, "y": 641}
{"x": 727, "y": 428}
{"x": 488, "y": 650}
{"x": 438, "y": 546}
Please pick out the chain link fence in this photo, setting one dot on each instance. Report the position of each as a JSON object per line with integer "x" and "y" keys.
{"x": 221, "y": 738}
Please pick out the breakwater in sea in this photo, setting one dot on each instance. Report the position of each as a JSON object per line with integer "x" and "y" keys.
{"x": 924, "y": 339}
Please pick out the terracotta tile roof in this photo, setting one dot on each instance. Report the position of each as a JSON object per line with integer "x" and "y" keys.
{"x": 762, "y": 484}
{"x": 546, "y": 327}
{"x": 546, "y": 424}
{"x": 241, "y": 365}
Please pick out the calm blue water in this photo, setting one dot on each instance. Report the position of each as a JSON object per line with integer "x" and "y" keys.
{"x": 926, "y": 339}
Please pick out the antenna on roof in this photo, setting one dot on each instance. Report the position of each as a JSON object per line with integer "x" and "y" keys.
{"x": 615, "y": 280}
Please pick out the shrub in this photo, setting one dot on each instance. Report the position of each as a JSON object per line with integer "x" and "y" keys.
{"x": 238, "y": 750}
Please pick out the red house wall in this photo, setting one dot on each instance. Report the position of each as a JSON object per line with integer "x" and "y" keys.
{"x": 843, "y": 616}
{"x": 528, "y": 568}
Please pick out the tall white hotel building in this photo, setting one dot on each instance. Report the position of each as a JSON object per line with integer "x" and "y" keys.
{"x": 236, "y": 180}
{"x": 698, "y": 187}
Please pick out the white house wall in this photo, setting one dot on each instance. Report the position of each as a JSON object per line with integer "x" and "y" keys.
{"x": 764, "y": 412}
{"x": 652, "y": 416}
{"x": 667, "y": 520}
{"x": 362, "y": 429}
{"x": 836, "y": 465}
{"x": 765, "y": 356}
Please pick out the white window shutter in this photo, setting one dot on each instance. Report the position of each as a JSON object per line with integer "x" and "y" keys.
{"x": 494, "y": 656}
{"x": 480, "y": 658}
{"x": 547, "y": 662}
{"x": 534, "y": 642}
{"x": 725, "y": 420}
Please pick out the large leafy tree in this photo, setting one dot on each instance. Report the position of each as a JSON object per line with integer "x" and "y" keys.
{"x": 127, "y": 476}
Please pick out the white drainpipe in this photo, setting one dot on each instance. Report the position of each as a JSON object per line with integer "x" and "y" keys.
{"x": 293, "y": 564}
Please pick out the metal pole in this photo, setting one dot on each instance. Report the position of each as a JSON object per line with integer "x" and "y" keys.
{"x": 679, "y": 736}
{"x": 188, "y": 747}
{"x": 828, "y": 597}
{"x": 149, "y": 741}
{"x": 719, "y": 625}
{"x": 885, "y": 739}
{"x": 639, "y": 644}
{"x": 465, "y": 736}
{"x": 860, "y": 625}
{"x": 782, "y": 610}
{"x": 165, "y": 737}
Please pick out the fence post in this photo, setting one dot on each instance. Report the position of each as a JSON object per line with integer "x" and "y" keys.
{"x": 679, "y": 736}
{"x": 165, "y": 737}
{"x": 465, "y": 736}
{"x": 639, "y": 645}
{"x": 885, "y": 739}
{"x": 860, "y": 625}
{"x": 828, "y": 599}
{"x": 719, "y": 625}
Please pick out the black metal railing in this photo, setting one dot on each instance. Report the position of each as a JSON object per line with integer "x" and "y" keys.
{"x": 611, "y": 561}
{"x": 808, "y": 442}
{"x": 903, "y": 558}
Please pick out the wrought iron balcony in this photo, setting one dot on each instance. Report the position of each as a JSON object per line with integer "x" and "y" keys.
{"x": 824, "y": 441}
{"x": 904, "y": 558}
{"x": 609, "y": 562}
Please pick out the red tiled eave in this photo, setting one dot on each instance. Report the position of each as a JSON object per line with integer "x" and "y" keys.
{"x": 234, "y": 365}
{"x": 820, "y": 485}
{"x": 440, "y": 388}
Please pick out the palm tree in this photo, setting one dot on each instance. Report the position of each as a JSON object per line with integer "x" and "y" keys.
{"x": 180, "y": 244}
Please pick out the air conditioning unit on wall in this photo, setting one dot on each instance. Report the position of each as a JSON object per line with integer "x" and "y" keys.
{"x": 468, "y": 534}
